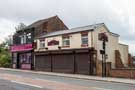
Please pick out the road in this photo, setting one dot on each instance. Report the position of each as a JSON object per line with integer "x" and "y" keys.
{"x": 7, "y": 85}
{"x": 17, "y": 80}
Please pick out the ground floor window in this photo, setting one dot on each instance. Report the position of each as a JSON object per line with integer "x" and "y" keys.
{"x": 25, "y": 58}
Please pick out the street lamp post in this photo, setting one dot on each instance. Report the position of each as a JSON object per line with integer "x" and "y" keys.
{"x": 104, "y": 38}
{"x": 104, "y": 57}
{"x": 102, "y": 65}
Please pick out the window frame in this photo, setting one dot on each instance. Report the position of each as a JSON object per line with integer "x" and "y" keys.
{"x": 28, "y": 38}
{"x": 42, "y": 43}
{"x": 84, "y": 36}
{"x": 25, "y": 58}
{"x": 65, "y": 39}
{"x": 23, "y": 38}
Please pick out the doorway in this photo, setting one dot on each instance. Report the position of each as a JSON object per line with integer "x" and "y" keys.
{"x": 18, "y": 62}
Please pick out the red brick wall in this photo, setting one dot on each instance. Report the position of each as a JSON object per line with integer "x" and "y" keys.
{"x": 55, "y": 24}
{"x": 118, "y": 60}
{"x": 123, "y": 73}
{"x": 130, "y": 61}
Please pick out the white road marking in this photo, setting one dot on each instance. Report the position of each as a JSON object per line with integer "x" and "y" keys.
{"x": 40, "y": 79}
{"x": 47, "y": 80}
{"x": 50, "y": 81}
{"x": 101, "y": 88}
{"x": 26, "y": 84}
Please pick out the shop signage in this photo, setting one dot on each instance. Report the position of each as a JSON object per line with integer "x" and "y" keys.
{"x": 24, "y": 47}
{"x": 102, "y": 37}
{"x": 53, "y": 42}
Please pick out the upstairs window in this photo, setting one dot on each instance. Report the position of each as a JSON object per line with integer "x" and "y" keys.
{"x": 23, "y": 38}
{"x": 29, "y": 39}
{"x": 66, "y": 41}
{"x": 42, "y": 43}
{"x": 84, "y": 38}
{"x": 29, "y": 35}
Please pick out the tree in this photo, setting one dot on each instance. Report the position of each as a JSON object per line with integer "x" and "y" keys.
{"x": 5, "y": 56}
{"x": 21, "y": 26}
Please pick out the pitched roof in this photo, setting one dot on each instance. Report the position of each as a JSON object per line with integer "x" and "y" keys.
{"x": 39, "y": 22}
{"x": 73, "y": 30}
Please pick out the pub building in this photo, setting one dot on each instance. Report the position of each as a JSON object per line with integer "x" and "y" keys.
{"x": 23, "y": 41}
{"x": 78, "y": 50}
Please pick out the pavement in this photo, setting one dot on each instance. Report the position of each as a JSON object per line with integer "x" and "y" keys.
{"x": 78, "y": 76}
{"x": 13, "y": 79}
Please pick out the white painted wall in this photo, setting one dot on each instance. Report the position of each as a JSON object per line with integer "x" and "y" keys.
{"x": 111, "y": 46}
{"x": 54, "y": 47}
{"x": 75, "y": 42}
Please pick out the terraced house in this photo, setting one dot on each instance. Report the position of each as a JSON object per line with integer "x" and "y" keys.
{"x": 80, "y": 50}
{"x": 48, "y": 45}
{"x": 23, "y": 41}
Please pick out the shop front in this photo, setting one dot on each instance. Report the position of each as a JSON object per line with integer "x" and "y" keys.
{"x": 22, "y": 56}
{"x": 75, "y": 61}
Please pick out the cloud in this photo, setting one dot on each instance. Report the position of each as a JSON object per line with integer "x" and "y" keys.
{"x": 6, "y": 28}
{"x": 118, "y": 15}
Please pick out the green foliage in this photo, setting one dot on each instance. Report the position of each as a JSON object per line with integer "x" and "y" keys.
{"x": 5, "y": 57}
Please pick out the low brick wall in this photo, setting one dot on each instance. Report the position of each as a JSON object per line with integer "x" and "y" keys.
{"x": 123, "y": 73}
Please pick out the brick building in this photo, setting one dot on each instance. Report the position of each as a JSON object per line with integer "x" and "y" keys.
{"x": 23, "y": 41}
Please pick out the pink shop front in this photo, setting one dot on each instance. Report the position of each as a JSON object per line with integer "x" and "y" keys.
{"x": 22, "y": 56}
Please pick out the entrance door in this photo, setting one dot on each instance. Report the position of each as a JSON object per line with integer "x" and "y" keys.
{"x": 25, "y": 60}
{"x": 17, "y": 62}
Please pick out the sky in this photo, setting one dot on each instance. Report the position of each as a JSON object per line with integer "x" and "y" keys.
{"x": 118, "y": 15}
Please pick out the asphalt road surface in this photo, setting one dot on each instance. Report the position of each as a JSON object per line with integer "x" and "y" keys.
{"x": 16, "y": 80}
{"x": 9, "y": 85}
